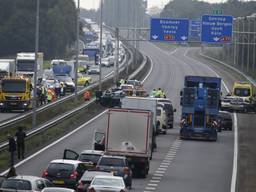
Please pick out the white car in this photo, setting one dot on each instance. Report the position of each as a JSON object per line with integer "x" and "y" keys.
{"x": 95, "y": 69}
{"x": 57, "y": 189}
{"x": 105, "y": 62}
{"x": 107, "y": 183}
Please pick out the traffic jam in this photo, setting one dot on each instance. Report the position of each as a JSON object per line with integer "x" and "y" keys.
{"x": 135, "y": 117}
{"x": 55, "y": 78}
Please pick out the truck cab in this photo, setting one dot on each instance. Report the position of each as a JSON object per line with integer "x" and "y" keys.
{"x": 15, "y": 94}
{"x": 200, "y": 100}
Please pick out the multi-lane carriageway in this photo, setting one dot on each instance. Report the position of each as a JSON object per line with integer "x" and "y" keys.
{"x": 179, "y": 166}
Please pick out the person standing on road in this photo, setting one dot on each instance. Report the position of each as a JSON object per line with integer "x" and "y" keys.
{"x": 20, "y": 135}
{"x": 12, "y": 148}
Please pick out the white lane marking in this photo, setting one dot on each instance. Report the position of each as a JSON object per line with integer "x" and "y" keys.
{"x": 150, "y": 188}
{"x": 162, "y": 169}
{"x": 158, "y": 174}
{"x": 164, "y": 166}
{"x": 154, "y": 181}
{"x": 167, "y": 160}
{"x": 163, "y": 163}
{"x": 153, "y": 184}
{"x": 54, "y": 143}
{"x": 235, "y": 156}
{"x": 150, "y": 71}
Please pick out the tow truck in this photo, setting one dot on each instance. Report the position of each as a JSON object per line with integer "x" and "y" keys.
{"x": 241, "y": 99}
{"x": 15, "y": 93}
{"x": 200, "y": 99}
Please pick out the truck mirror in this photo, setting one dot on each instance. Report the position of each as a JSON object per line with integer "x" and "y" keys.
{"x": 181, "y": 99}
{"x": 181, "y": 93}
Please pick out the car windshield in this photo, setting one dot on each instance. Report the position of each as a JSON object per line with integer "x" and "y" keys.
{"x": 60, "y": 167}
{"x": 114, "y": 162}
{"x": 17, "y": 184}
{"x": 242, "y": 92}
{"x": 14, "y": 86}
{"x": 89, "y": 157}
{"x": 111, "y": 182}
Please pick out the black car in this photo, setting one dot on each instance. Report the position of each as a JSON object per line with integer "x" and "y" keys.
{"x": 118, "y": 165}
{"x": 225, "y": 119}
{"x": 64, "y": 173}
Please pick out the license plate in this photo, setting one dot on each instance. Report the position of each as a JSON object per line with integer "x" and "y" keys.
{"x": 58, "y": 182}
{"x": 13, "y": 103}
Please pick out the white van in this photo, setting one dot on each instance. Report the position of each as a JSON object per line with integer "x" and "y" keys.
{"x": 161, "y": 119}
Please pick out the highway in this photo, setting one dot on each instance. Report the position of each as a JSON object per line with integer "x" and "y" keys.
{"x": 176, "y": 165}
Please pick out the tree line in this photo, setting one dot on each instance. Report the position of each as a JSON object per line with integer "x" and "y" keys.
{"x": 194, "y": 9}
{"x": 17, "y": 27}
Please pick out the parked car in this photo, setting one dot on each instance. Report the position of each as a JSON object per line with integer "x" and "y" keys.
{"x": 107, "y": 183}
{"x": 87, "y": 178}
{"x": 83, "y": 80}
{"x": 90, "y": 156}
{"x": 64, "y": 173}
{"x": 25, "y": 183}
{"x": 94, "y": 69}
{"x": 57, "y": 189}
{"x": 118, "y": 165}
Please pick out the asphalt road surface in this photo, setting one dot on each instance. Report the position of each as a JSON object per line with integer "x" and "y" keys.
{"x": 177, "y": 165}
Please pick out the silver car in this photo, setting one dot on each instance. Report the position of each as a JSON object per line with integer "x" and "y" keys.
{"x": 57, "y": 189}
{"x": 25, "y": 183}
{"x": 107, "y": 183}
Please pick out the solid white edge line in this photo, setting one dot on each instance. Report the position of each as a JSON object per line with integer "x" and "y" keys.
{"x": 150, "y": 71}
{"x": 235, "y": 155}
{"x": 55, "y": 142}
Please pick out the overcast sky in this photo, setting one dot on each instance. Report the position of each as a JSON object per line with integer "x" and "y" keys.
{"x": 92, "y": 4}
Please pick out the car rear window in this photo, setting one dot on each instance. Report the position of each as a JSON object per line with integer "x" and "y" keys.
{"x": 17, "y": 184}
{"x": 107, "y": 182}
{"x": 89, "y": 157}
{"x": 60, "y": 167}
{"x": 115, "y": 162}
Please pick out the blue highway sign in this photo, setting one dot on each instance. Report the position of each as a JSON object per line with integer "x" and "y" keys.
{"x": 217, "y": 29}
{"x": 171, "y": 30}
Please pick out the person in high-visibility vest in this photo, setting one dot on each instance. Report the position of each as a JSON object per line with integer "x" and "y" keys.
{"x": 49, "y": 96}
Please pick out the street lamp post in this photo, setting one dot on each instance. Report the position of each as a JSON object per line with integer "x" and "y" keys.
{"x": 35, "y": 65}
{"x": 77, "y": 46}
{"x": 100, "y": 55}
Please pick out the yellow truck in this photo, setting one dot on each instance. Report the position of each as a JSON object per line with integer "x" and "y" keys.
{"x": 15, "y": 94}
{"x": 242, "y": 98}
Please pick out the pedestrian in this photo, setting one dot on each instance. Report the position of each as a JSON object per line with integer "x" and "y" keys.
{"x": 49, "y": 96}
{"x": 42, "y": 96}
{"x": 153, "y": 93}
{"x": 12, "y": 148}
{"x": 57, "y": 88}
{"x": 11, "y": 172}
{"x": 62, "y": 89}
{"x": 20, "y": 136}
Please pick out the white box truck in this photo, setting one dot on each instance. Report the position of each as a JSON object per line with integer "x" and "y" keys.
{"x": 129, "y": 133}
{"x": 146, "y": 103}
{"x": 25, "y": 65}
{"x": 7, "y": 67}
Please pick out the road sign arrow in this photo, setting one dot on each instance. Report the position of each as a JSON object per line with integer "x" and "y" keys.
{"x": 155, "y": 36}
{"x": 216, "y": 39}
{"x": 183, "y": 38}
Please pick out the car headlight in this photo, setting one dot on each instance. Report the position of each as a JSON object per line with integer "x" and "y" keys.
{"x": 25, "y": 104}
{"x": 1, "y": 104}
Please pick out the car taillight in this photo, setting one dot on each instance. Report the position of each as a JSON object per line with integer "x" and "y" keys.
{"x": 45, "y": 173}
{"x": 74, "y": 175}
{"x": 91, "y": 190}
{"x": 80, "y": 185}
